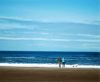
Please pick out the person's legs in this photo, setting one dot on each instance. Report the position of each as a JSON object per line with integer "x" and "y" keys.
{"x": 63, "y": 64}
{"x": 59, "y": 64}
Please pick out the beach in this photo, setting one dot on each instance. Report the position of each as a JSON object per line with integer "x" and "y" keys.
{"x": 45, "y": 74}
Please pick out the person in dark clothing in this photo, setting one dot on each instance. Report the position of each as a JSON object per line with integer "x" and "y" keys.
{"x": 59, "y": 62}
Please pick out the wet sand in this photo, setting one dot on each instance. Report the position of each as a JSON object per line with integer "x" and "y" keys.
{"x": 32, "y": 74}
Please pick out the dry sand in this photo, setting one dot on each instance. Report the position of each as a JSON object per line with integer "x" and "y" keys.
{"x": 29, "y": 74}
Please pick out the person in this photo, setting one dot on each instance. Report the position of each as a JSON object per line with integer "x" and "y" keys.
{"x": 59, "y": 62}
{"x": 63, "y": 62}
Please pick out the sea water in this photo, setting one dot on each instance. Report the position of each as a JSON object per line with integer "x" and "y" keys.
{"x": 49, "y": 59}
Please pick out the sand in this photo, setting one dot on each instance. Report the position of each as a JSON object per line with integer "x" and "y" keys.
{"x": 32, "y": 74}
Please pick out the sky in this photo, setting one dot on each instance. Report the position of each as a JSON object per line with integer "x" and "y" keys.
{"x": 50, "y": 25}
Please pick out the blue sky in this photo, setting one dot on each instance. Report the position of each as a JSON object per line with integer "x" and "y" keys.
{"x": 50, "y": 25}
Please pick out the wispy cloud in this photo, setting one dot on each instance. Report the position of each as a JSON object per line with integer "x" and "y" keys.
{"x": 19, "y": 23}
{"x": 89, "y": 35}
{"x": 91, "y": 45}
{"x": 15, "y": 20}
{"x": 55, "y": 30}
{"x": 23, "y": 21}
{"x": 11, "y": 23}
{"x": 82, "y": 35}
{"x": 47, "y": 39}
{"x": 96, "y": 22}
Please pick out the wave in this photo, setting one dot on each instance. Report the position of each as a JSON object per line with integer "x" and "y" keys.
{"x": 19, "y": 57}
{"x": 47, "y": 65}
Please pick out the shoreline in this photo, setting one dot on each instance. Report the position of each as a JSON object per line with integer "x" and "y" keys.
{"x": 46, "y": 65}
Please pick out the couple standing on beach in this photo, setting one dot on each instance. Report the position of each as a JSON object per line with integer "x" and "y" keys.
{"x": 61, "y": 61}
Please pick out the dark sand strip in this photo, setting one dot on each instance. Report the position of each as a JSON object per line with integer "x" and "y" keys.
{"x": 29, "y": 74}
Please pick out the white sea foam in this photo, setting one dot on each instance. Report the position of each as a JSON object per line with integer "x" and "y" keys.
{"x": 48, "y": 65}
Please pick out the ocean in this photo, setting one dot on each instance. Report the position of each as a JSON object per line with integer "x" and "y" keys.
{"x": 46, "y": 57}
